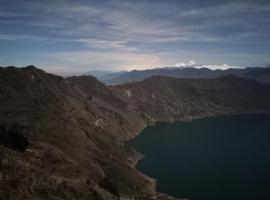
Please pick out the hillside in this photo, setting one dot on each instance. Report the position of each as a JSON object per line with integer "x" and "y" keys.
{"x": 164, "y": 98}
{"x": 63, "y": 138}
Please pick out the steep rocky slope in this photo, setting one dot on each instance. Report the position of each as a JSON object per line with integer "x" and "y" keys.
{"x": 64, "y": 138}
{"x": 74, "y": 128}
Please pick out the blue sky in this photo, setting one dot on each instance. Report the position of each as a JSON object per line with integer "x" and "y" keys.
{"x": 75, "y": 36}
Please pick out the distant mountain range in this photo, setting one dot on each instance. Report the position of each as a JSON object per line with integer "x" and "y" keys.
{"x": 261, "y": 74}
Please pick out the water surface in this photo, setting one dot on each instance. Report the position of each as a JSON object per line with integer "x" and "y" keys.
{"x": 219, "y": 158}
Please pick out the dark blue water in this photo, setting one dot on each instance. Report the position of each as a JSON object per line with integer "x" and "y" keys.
{"x": 209, "y": 159}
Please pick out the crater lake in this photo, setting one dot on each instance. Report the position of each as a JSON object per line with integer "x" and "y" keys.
{"x": 226, "y": 157}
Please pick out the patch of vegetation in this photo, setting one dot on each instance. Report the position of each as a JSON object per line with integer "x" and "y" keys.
{"x": 107, "y": 184}
{"x": 13, "y": 138}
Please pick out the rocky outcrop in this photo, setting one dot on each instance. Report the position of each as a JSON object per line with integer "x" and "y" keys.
{"x": 65, "y": 138}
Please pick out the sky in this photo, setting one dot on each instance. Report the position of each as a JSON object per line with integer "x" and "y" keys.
{"x": 76, "y": 36}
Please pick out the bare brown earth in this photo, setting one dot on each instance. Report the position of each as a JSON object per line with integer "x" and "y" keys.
{"x": 64, "y": 138}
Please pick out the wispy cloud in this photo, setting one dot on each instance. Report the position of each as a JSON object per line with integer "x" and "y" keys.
{"x": 24, "y": 38}
{"x": 123, "y": 34}
{"x": 119, "y": 60}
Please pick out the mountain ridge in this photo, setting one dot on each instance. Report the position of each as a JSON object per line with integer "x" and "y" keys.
{"x": 75, "y": 129}
{"x": 258, "y": 73}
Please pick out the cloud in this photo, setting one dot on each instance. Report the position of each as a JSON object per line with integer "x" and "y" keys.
{"x": 143, "y": 22}
{"x": 82, "y": 61}
{"x": 103, "y": 44}
{"x": 191, "y": 63}
{"x": 135, "y": 34}
{"x": 221, "y": 67}
{"x": 23, "y": 38}
{"x": 133, "y": 22}
{"x": 107, "y": 44}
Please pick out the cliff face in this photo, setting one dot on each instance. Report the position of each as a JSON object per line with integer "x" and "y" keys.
{"x": 64, "y": 138}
